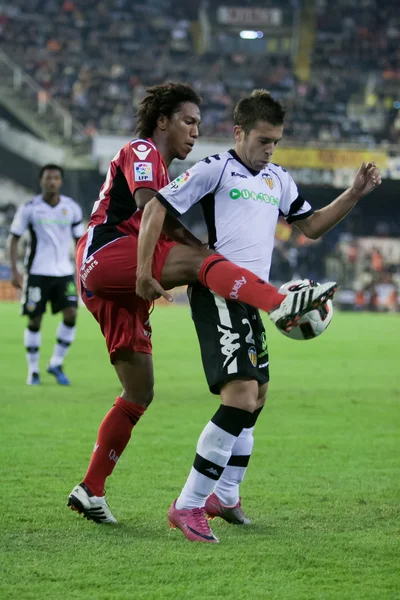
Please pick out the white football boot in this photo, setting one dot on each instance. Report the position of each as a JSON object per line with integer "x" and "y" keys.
{"x": 94, "y": 508}
{"x": 296, "y": 304}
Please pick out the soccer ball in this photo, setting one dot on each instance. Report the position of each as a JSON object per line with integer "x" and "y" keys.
{"x": 313, "y": 323}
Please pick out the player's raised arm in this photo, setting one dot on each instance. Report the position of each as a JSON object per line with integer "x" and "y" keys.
{"x": 367, "y": 179}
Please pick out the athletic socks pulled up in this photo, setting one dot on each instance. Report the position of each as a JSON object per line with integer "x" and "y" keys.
{"x": 65, "y": 337}
{"x": 213, "y": 452}
{"x": 112, "y": 439}
{"x": 236, "y": 283}
{"x": 32, "y": 342}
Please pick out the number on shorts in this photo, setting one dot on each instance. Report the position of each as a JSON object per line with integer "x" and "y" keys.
{"x": 250, "y": 335}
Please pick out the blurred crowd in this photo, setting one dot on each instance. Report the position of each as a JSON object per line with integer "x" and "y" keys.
{"x": 97, "y": 56}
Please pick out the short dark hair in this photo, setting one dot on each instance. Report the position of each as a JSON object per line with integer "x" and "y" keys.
{"x": 260, "y": 106}
{"x": 164, "y": 99}
{"x": 51, "y": 167}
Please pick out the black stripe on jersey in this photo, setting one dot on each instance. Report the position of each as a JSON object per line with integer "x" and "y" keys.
{"x": 103, "y": 235}
{"x": 122, "y": 205}
{"x": 207, "y": 468}
{"x": 208, "y": 206}
{"x": 33, "y": 246}
{"x": 168, "y": 206}
{"x": 76, "y": 223}
{"x": 293, "y": 218}
{"x": 296, "y": 205}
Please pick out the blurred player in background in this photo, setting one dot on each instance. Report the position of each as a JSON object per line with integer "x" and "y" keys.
{"x": 168, "y": 121}
{"x": 242, "y": 193}
{"x": 52, "y": 220}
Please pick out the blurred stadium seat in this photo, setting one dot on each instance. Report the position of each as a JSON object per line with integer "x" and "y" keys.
{"x": 72, "y": 73}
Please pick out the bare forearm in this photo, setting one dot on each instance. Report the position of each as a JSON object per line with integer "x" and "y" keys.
{"x": 178, "y": 232}
{"x": 325, "y": 218}
{"x": 149, "y": 233}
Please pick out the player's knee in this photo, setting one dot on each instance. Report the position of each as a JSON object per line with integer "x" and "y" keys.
{"x": 69, "y": 317}
{"x": 69, "y": 321}
{"x": 262, "y": 395}
{"x": 241, "y": 394}
{"x": 140, "y": 397}
{"x": 34, "y": 324}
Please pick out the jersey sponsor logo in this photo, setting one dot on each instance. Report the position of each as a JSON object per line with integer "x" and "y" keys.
{"x": 85, "y": 270}
{"x": 52, "y": 221}
{"x": 143, "y": 171}
{"x": 235, "y": 290}
{"x": 268, "y": 180}
{"x": 229, "y": 345}
{"x": 234, "y": 174}
{"x": 264, "y": 346}
{"x": 141, "y": 150}
{"x": 252, "y": 356}
{"x": 179, "y": 181}
{"x": 236, "y": 194}
{"x": 264, "y": 365}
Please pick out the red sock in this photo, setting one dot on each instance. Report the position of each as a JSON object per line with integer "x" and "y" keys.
{"x": 112, "y": 439}
{"x": 236, "y": 283}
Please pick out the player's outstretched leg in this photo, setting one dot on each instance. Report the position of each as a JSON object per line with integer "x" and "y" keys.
{"x": 186, "y": 264}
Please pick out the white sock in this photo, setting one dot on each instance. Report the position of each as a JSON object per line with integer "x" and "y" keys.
{"x": 32, "y": 342}
{"x": 227, "y": 488}
{"x": 212, "y": 454}
{"x": 65, "y": 337}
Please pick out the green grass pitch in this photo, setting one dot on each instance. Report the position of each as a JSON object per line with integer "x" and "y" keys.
{"x": 322, "y": 487}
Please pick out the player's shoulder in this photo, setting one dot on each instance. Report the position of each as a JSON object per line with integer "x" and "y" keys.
{"x": 213, "y": 165}
{"x": 217, "y": 160}
{"x": 142, "y": 149}
{"x": 34, "y": 201}
{"x": 68, "y": 200}
{"x": 277, "y": 169}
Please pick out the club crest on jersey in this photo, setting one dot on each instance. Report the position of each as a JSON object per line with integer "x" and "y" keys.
{"x": 268, "y": 180}
{"x": 143, "y": 171}
{"x": 179, "y": 181}
{"x": 64, "y": 211}
{"x": 141, "y": 150}
{"x": 252, "y": 356}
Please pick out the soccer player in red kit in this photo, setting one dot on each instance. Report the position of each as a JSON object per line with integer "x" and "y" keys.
{"x": 167, "y": 127}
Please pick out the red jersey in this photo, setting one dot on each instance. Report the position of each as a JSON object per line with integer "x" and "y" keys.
{"x": 115, "y": 214}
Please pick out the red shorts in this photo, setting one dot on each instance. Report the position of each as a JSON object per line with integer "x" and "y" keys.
{"x": 107, "y": 285}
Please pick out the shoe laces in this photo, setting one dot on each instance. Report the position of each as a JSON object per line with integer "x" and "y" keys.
{"x": 201, "y": 521}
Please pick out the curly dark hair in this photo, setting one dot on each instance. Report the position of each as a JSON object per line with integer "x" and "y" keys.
{"x": 260, "y": 106}
{"x": 164, "y": 99}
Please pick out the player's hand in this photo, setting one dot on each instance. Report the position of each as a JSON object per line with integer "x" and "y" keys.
{"x": 149, "y": 289}
{"x": 17, "y": 279}
{"x": 367, "y": 179}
